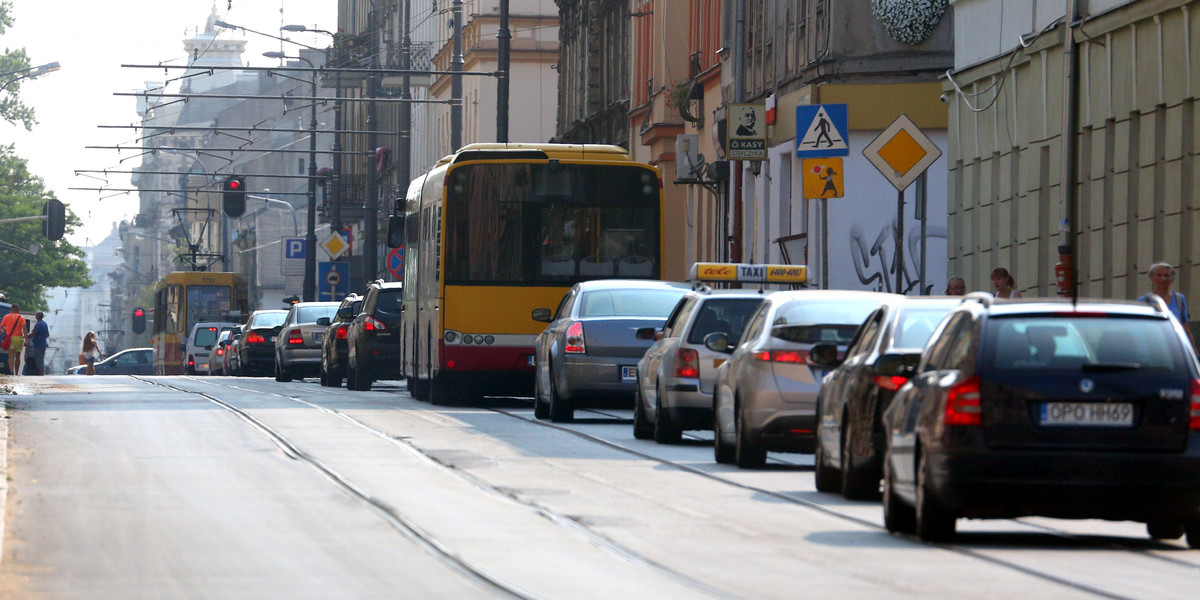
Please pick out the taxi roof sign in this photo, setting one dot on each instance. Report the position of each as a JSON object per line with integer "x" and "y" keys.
{"x": 747, "y": 273}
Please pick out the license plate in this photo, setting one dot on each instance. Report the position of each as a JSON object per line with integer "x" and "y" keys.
{"x": 717, "y": 362}
{"x": 628, "y": 373}
{"x": 271, "y": 339}
{"x": 530, "y": 359}
{"x": 317, "y": 336}
{"x": 1090, "y": 414}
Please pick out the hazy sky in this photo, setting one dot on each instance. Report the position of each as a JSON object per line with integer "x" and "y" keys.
{"x": 91, "y": 40}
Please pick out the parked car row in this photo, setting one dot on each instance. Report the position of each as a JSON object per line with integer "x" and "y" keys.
{"x": 942, "y": 407}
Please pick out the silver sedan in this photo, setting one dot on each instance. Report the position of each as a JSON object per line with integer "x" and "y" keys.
{"x": 298, "y": 345}
{"x": 766, "y": 394}
{"x": 590, "y": 350}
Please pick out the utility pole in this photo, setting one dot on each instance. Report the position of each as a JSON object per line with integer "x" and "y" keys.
{"x": 404, "y": 158}
{"x": 503, "y": 58}
{"x": 371, "y": 220}
{"x": 456, "y": 81}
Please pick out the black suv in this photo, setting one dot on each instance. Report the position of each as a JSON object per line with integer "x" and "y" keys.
{"x": 374, "y": 340}
{"x": 1087, "y": 410}
{"x": 334, "y": 348}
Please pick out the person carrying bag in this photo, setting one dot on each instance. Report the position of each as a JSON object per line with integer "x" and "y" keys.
{"x": 13, "y": 325}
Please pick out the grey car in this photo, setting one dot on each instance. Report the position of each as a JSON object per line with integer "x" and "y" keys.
{"x": 590, "y": 349}
{"x": 677, "y": 373}
{"x": 766, "y": 393}
{"x": 134, "y": 361}
{"x": 298, "y": 343}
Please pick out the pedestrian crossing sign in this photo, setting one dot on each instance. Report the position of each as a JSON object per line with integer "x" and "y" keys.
{"x": 822, "y": 130}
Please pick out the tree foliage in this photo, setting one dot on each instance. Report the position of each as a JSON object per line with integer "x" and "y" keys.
{"x": 11, "y": 107}
{"x": 25, "y": 277}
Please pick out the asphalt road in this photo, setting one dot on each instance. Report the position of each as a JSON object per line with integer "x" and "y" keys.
{"x": 174, "y": 487}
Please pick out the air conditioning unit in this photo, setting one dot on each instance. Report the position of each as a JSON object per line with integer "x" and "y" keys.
{"x": 688, "y": 165}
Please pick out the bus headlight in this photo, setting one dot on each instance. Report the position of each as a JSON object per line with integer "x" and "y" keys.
{"x": 487, "y": 339}
{"x": 478, "y": 339}
{"x": 450, "y": 336}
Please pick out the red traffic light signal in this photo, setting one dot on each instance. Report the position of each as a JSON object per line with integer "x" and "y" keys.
{"x": 55, "y": 223}
{"x": 139, "y": 320}
{"x": 233, "y": 195}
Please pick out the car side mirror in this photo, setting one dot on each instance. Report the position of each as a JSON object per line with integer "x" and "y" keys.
{"x": 647, "y": 333}
{"x": 345, "y": 312}
{"x": 897, "y": 364}
{"x": 222, "y": 344}
{"x": 323, "y": 321}
{"x": 824, "y": 355}
{"x": 276, "y": 329}
{"x": 183, "y": 348}
{"x": 718, "y": 342}
{"x": 541, "y": 314}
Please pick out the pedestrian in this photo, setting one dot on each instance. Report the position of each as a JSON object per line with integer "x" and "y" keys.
{"x": 1162, "y": 275}
{"x": 38, "y": 340}
{"x": 13, "y": 325}
{"x": 90, "y": 351}
{"x": 1004, "y": 283}
{"x": 956, "y": 287}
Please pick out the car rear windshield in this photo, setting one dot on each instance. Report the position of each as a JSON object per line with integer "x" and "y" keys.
{"x": 205, "y": 336}
{"x": 916, "y": 325}
{"x": 270, "y": 319}
{"x": 310, "y": 314}
{"x": 630, "y": 303}
{"x": 389, "y": 300}
{"x": 826, "y": 320}
{"x": 728, "y": 316}
{"x": 1082, "y": 343}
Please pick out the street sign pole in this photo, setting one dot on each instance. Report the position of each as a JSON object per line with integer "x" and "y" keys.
{"x": 922, "y": 198}
{"x": 899, "y": 242}
{"x": 824, "y": 243}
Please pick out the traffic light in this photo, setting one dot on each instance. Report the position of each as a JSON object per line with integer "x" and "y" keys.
{"x": 139, "y": 320}
{"x": 56, "y": 219}
{"x": 233, "y": 195}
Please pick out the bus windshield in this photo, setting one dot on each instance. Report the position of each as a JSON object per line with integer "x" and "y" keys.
{"x": 539, "y": 223}
{"x": 207, "y": 303}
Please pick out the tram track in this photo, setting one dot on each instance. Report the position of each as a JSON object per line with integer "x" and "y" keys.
{"x": 406, "y": 526}
{"x": 616, "y": 549}
{"x": 1107, "y": 543}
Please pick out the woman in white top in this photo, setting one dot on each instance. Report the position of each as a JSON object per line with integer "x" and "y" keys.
{"x": 1162, "y": 275}
{"x": 90, "y": 351}
{"x": 1003, "y": 281}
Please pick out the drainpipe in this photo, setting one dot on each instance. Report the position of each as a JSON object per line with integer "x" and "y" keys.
{"x": 1064, "y": 272}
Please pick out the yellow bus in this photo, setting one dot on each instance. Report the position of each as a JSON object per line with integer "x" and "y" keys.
{"x": 184, "y": 298}
{"x": 496, "y": 230}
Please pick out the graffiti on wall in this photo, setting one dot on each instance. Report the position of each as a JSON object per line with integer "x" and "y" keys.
{"x": 875, "y": 263}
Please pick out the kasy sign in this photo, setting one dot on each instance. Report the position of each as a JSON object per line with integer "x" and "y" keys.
{"x": 747, "y": 137}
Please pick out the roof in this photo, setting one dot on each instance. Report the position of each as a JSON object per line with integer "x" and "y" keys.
{"x": 631, "y": 284}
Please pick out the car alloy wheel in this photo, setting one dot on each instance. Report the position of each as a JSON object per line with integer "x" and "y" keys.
{"x": 747, "y": 454}
{"x": 934, "y": 524}
{"x": 857, "y": 483}
{"x": 898, "y": 517}
{"x": 643, "y": 429}
{"x": 665, "y": 432}
{"x": 560, "y": 408}
{"x": 826, "y": 477}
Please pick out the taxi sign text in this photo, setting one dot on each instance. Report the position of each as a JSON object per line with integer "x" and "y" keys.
{"x": 746, "y": 273}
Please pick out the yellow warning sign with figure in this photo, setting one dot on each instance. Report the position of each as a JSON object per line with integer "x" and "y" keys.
{"x": 823, "y": 178}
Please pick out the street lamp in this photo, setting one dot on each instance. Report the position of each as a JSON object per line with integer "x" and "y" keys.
{"x": 310, "y": 238}
{"x": 28, "y": 73}
{"x": 336, "y": 201}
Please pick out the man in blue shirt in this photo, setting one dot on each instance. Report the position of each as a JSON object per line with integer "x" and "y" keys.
{"x": 39, "y": 337}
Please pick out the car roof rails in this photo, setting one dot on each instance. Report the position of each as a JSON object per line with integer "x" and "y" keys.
{"x": 983, "y": 298}
{"x": 1156, "y": 301}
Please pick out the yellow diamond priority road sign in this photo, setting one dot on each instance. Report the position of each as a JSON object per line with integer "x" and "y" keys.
{"x": 335, "y": 245}
{"x": 902, "y": 152}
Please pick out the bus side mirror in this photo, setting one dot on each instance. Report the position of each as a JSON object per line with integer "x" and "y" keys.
{"x": 395, "y": 233}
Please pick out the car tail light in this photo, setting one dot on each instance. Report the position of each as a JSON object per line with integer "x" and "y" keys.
{"x": 798, "y": 357}
{"x": 962, "y": 403}
{"x": 373, "y": 324}
{"x": 1194, "y": 421}
{"x": 342, "y": 332}
{"x": 191, "y": 361}
{"x": 575, "y": 343}
{"x": 220, "y": 352}
{"x": 687, "y": 363}
{"x": 890, "y": 382}
{"x": 255, "y": 338}
{"x": 296, "y": 336}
